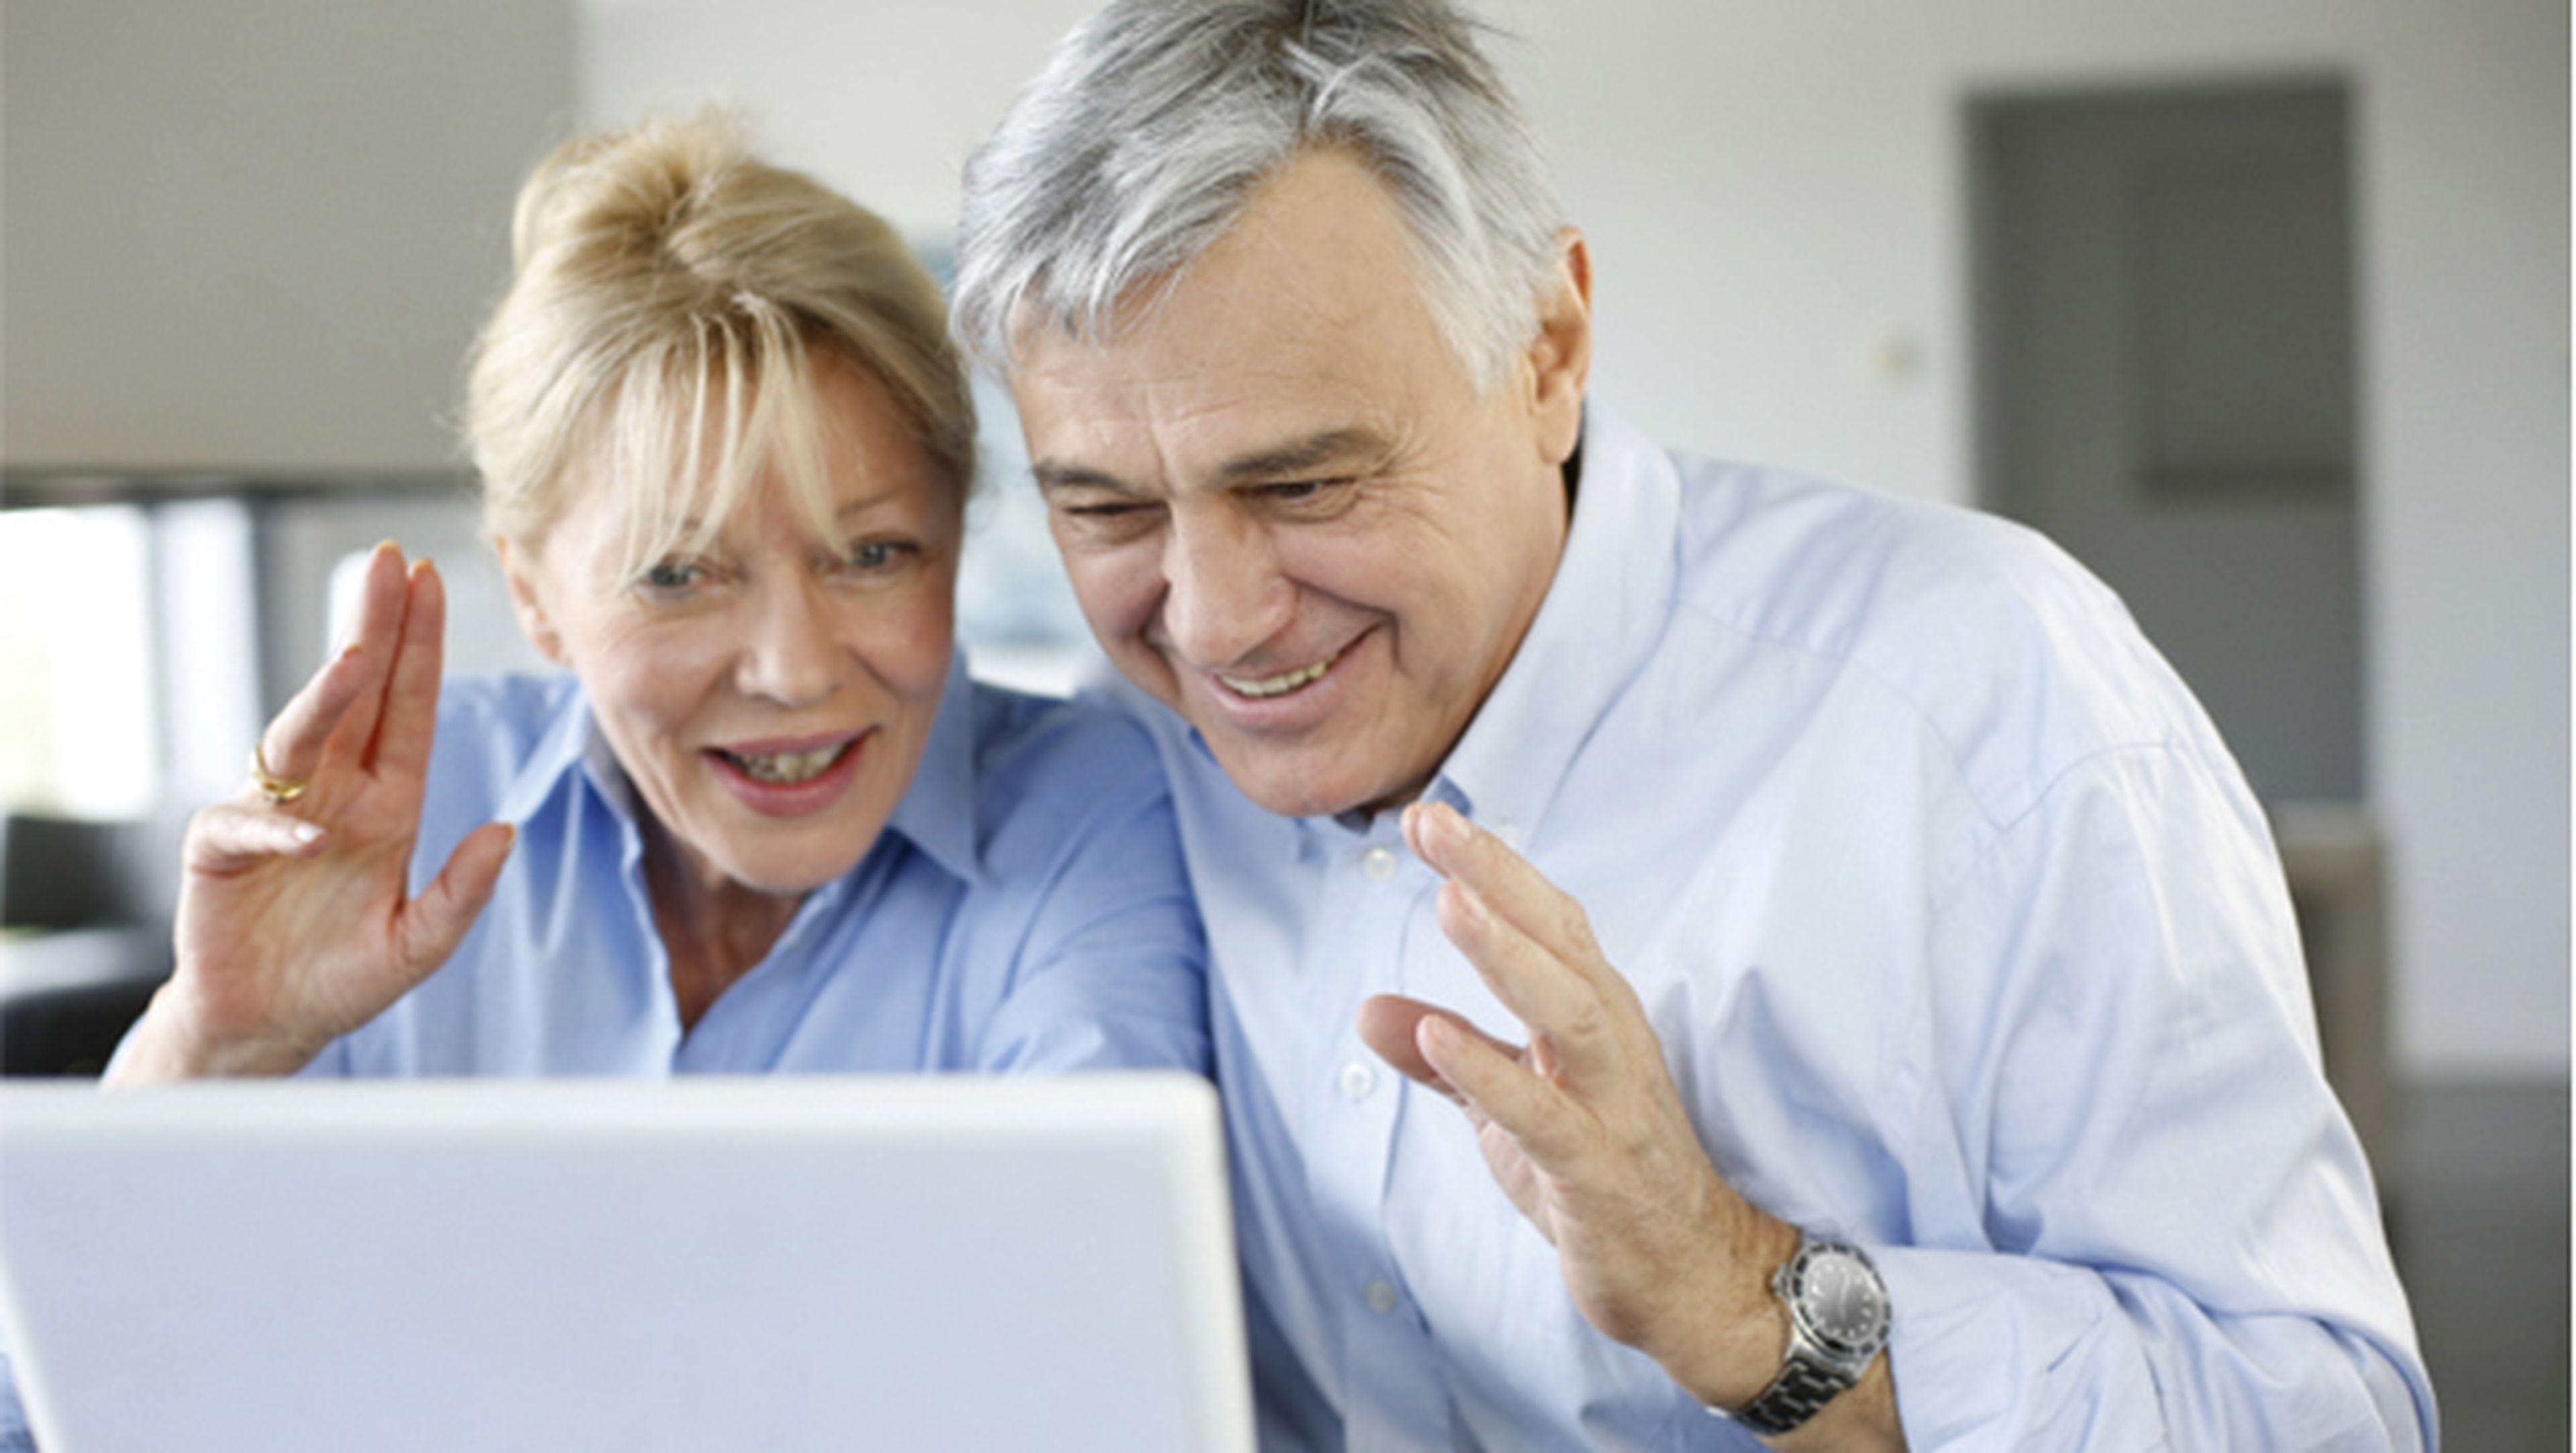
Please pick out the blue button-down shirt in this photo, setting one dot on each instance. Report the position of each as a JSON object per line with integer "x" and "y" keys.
{"x": 1964, "y": 939}
{"x": 1025, "y": 909}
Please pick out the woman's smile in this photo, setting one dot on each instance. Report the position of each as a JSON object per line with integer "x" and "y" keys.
{"x": 786, "y": 779}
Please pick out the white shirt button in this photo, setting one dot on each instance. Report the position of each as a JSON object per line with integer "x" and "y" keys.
{"x": 1357, "y": 1080}
{"x": 1378, "y": 863}
{"x": 1381, "y": 1297}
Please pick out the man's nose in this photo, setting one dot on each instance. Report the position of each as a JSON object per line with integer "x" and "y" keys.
{"x": 1224, "y": 595}
{"x": 794, "y": 654}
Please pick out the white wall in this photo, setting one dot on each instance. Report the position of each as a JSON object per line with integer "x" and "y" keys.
{"x": 1775, "y": 194}
{"x": 257, "y": 235}
{"x": 882, "y": 100}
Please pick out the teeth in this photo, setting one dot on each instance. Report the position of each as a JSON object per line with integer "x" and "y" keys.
{"x": 1283, "y": 683}
{"x": 788, "y": 767}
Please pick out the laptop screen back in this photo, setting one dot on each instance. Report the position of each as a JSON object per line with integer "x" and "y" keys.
{"x": 774, "y": 1265}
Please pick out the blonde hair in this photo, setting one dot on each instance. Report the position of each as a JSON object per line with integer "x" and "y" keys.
{"x": 669, "y": 291}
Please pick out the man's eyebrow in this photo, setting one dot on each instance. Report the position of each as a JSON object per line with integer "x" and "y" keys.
{"x": 1294, "y": 458}
{"x": 1052, "y": 475}
{"x": 1304, "y": 455}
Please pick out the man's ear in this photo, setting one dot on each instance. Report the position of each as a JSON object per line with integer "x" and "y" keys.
{"x": 1560, "y": 355}
{"x": 527, "y": 603}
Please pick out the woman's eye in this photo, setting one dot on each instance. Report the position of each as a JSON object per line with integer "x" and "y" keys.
{"x": 673, "y": 575}
{"x": 880, "y": 554}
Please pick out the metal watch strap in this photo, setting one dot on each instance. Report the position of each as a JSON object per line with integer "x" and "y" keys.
{"x": 1800, "y": 1391}
{"x": 1825, "y": 1357}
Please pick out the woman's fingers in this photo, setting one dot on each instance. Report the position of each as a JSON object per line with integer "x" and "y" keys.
{"x": 232, "y": 836}
{"x": 384, "y": 599}
{"x": 410, "y": 717}
{"x": 435, "y": 922}
{"x": 293, "y": 745}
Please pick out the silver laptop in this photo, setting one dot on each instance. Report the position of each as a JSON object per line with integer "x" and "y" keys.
{"x": 556, "y": 1266}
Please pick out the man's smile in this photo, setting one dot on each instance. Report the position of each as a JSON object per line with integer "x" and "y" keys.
{"x": 1282, "y": 683}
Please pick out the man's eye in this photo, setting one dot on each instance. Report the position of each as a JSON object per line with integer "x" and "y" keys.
{"x": 1306, "y": 495}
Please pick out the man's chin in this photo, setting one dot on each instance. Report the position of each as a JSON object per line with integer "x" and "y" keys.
{"x": 1296, "y": 784}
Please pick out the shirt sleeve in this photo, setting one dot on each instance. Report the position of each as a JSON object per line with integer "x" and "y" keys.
{"x": 1112, "y": 974}
{"x": 2182, "y": 1248}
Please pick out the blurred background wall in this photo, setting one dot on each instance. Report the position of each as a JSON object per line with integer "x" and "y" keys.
{"x": 249, "y": 242}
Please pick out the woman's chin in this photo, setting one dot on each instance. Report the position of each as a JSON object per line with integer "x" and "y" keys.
{"x": 790, "y": 873}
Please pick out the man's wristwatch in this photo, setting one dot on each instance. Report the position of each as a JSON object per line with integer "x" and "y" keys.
{"x": 1838, "y": 1320}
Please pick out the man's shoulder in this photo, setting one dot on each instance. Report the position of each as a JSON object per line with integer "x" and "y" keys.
{"x": 1833, "y": 567}
{"x": 1983, "y": 630}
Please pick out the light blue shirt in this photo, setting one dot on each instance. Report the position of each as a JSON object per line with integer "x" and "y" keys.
{"x": 1965, "y": 941}
{"x": 1025, "y": 909}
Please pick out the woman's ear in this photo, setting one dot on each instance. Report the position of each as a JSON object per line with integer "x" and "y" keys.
{"x": 528, "y": 602}
{"x": 1560, "y": 354}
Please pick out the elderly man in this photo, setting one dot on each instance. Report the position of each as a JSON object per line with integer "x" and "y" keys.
{"x": 1868, "y": 994}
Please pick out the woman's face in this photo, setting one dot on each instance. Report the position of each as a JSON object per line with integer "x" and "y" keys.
{"x": 770, "y": 698}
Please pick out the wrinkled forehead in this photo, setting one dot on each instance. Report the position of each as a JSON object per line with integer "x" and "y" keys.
{"x": 1308, "y": 320}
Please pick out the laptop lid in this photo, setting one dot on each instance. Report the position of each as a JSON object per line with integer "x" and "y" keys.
{"x": 771, "y": 1265}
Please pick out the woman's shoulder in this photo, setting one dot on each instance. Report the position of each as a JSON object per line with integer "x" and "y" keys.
{"x": 491, "y": 729}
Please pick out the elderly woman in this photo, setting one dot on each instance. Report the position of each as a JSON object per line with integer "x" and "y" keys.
{"x": 766, "y": 822}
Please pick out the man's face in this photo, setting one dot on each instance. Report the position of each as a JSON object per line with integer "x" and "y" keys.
{"x": 1288, "y": 513}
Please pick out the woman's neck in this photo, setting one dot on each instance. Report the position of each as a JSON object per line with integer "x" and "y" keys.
{"x": 714, "y": 929}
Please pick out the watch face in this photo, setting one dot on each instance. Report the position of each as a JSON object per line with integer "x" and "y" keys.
{"x": 1842, "y": 1301}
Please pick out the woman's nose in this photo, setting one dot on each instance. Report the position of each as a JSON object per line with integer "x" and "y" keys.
{"x": 793, "y": 654}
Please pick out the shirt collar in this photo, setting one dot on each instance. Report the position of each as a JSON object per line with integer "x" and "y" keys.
{"x": 937, "y": 813}
{"x": 568, "y": 740}
{"x": 1601, "y": 616}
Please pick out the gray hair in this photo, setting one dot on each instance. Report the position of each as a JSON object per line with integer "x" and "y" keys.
{"x": 1157, "y": 120}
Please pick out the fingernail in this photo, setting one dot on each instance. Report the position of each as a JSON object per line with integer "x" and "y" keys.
{"x": 1447, "y": 829}
{"x": 422, "y": 566}
{"x": 387, "y": 544}
{"x": 307, "y": 832}
{"x": 1422, "y": 829}
{"x": 1437, "y": 1035}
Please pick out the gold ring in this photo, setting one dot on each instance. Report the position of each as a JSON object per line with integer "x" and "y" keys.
{"x": 276, "y": 789}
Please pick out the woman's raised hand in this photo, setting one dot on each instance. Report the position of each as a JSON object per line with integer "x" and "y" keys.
{"x": 295, "y": 922}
